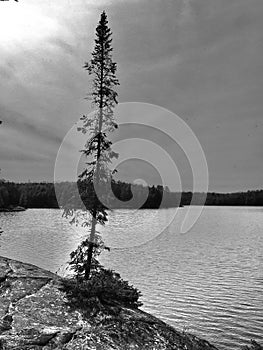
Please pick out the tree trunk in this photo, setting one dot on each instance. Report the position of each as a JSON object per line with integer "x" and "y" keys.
{"x": 96, "y": 177}
{"x": 90, "y": 250}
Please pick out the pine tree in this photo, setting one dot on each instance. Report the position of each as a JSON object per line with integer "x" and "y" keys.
{"x": 93, "y": 180}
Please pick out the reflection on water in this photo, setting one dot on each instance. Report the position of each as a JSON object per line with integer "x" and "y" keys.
{"x": 208, "y": 281}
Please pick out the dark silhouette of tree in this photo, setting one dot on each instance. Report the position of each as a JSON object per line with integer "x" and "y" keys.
{"x": 95, "y": 177}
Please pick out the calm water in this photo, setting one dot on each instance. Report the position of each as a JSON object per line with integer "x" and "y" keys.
{"x": 208, "y": 281}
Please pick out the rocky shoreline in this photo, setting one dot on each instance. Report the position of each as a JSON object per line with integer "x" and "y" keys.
{"x": 34, "y": 315}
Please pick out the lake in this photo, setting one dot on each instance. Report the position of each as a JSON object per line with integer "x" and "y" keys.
{"x": 208, "y": 281}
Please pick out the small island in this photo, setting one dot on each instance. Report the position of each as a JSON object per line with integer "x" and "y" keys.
{"x": 12, "y": 208}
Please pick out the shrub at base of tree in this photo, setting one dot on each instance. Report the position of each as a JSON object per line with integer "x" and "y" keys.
{"x": 104, "y": 292}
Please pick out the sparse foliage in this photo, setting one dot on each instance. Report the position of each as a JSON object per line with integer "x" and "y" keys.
{"x": 95, "y": 177}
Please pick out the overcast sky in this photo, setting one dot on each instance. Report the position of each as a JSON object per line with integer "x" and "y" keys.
{"x": 200, "y": 59}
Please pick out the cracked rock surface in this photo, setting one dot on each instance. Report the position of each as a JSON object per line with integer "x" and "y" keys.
{"x": 34, "y": 315}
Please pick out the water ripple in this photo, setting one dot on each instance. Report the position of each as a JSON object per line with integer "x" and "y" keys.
{"x": 208, "y": 282}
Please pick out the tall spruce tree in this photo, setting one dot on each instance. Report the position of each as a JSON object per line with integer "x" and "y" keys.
{"x": 93, "y": 180}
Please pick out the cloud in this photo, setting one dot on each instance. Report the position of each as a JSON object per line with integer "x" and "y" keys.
{"x": 22, "y": 124}
{"x": 186, "y": 13}
{"x": 200, "y": 59}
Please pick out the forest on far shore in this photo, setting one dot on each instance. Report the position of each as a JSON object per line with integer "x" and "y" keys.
{"x": 43, "y": 195}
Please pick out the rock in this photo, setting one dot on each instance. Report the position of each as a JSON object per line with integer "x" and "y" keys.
{"x": 34, "y": 315}
{"x": 18, "y": 208}
{"x": 11, "y": 208}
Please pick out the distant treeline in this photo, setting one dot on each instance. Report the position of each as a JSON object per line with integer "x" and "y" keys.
{"x": 48, "y": 195}
{"x": 124, "y": 195}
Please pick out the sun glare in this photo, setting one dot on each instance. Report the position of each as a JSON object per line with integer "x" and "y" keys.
{"x": 23, "y": 23}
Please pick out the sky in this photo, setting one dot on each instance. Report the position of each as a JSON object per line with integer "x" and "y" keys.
{"x": 200, "y": 60}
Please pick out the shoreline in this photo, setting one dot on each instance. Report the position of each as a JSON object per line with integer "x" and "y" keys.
{"x": 33, "y": 312}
